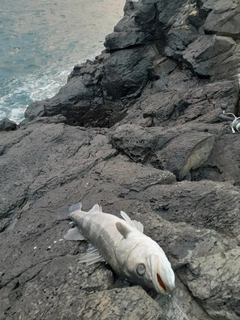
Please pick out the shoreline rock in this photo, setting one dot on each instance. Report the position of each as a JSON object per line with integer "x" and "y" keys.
{"x": 138, "y": 130}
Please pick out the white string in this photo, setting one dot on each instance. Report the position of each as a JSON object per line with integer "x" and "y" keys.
{"x": 185, "y": 316}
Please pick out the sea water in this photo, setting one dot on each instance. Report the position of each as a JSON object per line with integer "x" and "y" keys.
{"x": 41, "y": 41}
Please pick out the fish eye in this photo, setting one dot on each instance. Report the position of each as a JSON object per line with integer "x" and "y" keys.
{"x": 141, "y": 269}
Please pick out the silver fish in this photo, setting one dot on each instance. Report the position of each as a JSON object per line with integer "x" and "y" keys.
{"x": 122, "y": 244}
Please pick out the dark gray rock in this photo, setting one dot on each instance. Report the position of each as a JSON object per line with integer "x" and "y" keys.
{"x": 36, "y": 109}
{"x": 7, "y": 125}
{"x": 31, "y": 165}
{"x": 156, "y": 92}
{"x": 126, "y": 72}
{"x": 225, "y": 164}
{"x": 175, "y": 105}
{"x": 125, "y": 39}
{"x": 157, "y": 146}
{"x": 206, "y": 52}
{"x": 203, "y": 204}
{"x": 216, "y": 284}
{"x": 224, "y": 19}
{"x": 98, "y": 93}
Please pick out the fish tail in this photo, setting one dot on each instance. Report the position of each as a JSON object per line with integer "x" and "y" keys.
{"x": 74, "y": 207}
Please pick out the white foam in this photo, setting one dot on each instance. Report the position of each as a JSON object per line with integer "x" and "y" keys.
{"x": 45, "y": 42}
{"x": 34, "y": 88}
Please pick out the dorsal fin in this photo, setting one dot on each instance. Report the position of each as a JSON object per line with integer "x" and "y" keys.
{"x": 95, "y": 208}
{"x": 133, "y": 223}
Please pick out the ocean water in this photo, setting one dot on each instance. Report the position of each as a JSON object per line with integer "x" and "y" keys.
{"x": 41, "y": 41}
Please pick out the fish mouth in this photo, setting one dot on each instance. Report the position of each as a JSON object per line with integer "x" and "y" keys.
{"x": 161, "y": 283}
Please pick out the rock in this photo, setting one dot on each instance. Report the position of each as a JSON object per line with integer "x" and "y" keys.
{"x": 190, "y": 151}
{"x": 36, "y": 109}
{"x": 88, "y": 97}
{"x": 198, "y": 203}
{"x": 216, "y": 289}
{"x": 137, "y": 27}
{"x": 156, "y": 146}
{"x": 109, "y": 305}
{"x": 225, "y": 164}
{"x": 124, "y": 39}
{"x": 134, "y": 177}
{"x": 98, "y": 93}
{"x": 224, "y": 19}
{"x": 144, "y": 114}
{"x": 7, "y": 125}
{"x": 206, "y": 52}
{"x": 170, "y": 108}
{"x": 28, "y": 172}
{"x": 126, "y": 72}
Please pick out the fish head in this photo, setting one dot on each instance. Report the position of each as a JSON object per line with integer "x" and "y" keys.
{"x": 145, "y": 263}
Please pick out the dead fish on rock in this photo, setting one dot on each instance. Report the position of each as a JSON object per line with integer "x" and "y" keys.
{"x": 122, "y": 244}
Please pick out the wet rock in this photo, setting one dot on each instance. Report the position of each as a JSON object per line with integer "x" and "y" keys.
{"x": 36, "y": 109}
{"x": 7, "y": 125}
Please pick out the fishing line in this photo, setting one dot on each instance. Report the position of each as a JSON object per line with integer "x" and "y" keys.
{"x": 184, "y": 314}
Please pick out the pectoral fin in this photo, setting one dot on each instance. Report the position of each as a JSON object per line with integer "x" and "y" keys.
{"x": 74, "y": 234}
{"x": 91, "y": 256}
{"x": 123, "y": 229}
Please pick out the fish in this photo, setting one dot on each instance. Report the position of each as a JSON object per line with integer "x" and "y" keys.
{"x": 122, "y": 244}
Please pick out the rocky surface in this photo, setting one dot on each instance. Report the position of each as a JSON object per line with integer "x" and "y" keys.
{"x": 7, "y": 125}
{"x": 138, "y": 130}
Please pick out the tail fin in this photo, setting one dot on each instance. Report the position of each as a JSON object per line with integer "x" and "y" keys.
{"x": 74, "y": 207}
